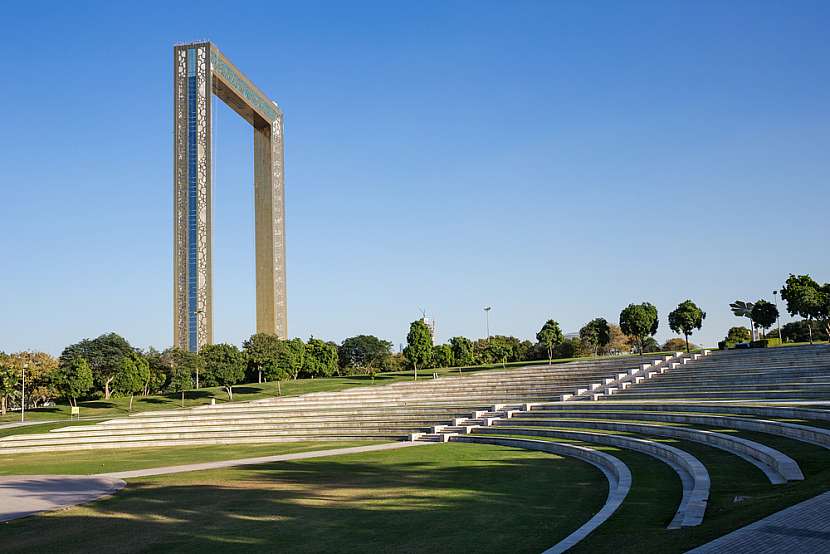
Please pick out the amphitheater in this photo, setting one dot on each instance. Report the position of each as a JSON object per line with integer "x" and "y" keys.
{"x": 742, "y": 403}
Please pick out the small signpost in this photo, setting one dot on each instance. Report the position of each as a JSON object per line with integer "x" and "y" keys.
{"x": 76, "y": 412}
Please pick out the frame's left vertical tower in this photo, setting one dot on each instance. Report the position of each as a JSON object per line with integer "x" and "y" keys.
{"x": 192, "y": 294}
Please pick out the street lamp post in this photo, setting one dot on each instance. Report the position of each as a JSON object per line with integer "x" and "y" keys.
{"x": 487, "y": 318}
{"x": 777, "y": 317}
{"x": 23, "y": 394}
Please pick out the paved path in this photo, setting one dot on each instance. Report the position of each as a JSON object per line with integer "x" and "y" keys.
{"x": 22, "y": 496}
{"x": 802, "y": 529}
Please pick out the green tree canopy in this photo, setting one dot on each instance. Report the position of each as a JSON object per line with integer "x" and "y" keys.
{"x": 806, "y": 298}
{"x": 639, "y": 321}
{"x": 418, "y": 349}
{"x": 462, "y": 351}
{"x": 262, "y": 352}
{"x": 764, "y": 314}
{"x": 364, "y": 351}
{"x": 320, "y": 358}
{"x": 550, "y": 335}
{"x": 738, "y": 334}
{"x": 132, "y": 376}
{"x": 685, "y": 319}
{"x": 290, "y": 359}
{"x": 442, "y": 356}
{"x": 224, "y": 366}
{"x": 103, "y": 354}
{"x": 73, "y": 379}
{"x": 9, "y": 379}
{"x": 595, "y": 334}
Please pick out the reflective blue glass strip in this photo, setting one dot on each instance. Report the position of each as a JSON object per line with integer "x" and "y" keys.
{"x": 192, "y": 273}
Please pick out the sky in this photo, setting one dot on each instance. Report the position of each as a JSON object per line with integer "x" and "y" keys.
{"x": 549, "y": 159}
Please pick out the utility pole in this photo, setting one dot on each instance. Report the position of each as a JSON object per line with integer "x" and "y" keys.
{"x": 23, "y": 394}
{"x": 487, "y": 318}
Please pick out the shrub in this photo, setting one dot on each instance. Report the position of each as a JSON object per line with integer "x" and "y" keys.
{"x": 765, "y": 343}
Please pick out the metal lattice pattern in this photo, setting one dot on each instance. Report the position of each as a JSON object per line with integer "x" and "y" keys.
{"x": 180, "y": 200}
{"x": 203, "y": 267}
{"x": 278, "y": 199}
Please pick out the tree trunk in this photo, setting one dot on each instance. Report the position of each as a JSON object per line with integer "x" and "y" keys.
{"x": 279, "y": 387}
{"x": 3, "y": 405}
{"x": 107, "y": 388}
{"x": 550, "y": 355}
{"x": 131, "y": 403}
{"x": 259, "y": 376}
{"x": 230, "y": 392}
{"x": 810, "y": 329}
{"x": 182, "y": 399}
{"x": 416, "y": 370}
{"x": 687, "y": 342}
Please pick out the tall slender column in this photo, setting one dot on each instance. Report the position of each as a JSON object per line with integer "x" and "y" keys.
{"x": 192, "y": 293}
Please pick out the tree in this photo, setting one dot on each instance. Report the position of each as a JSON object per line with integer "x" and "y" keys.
{"x": 224, "y": 365}
{"x": 744, "y": 309}
{"x": 320, "y": 358}
{"x": 550, "y": 335}
{"x": 9, "y": 380}
{"x": 806, "y": 298}
{"x": 595, "y": 334}
{"x": 442, "y": 356}
{"x": 418, "y": 345}
{"x": 650, "y": 345}
{"x": 181, "y": 379}
{"x": 291, "y": 357}
{"x": 73, "y": 379}
{"x": 639, "y": 321}
{"x": 40, "y": 369}
{"x": 462, "y": 351}
{"x": 104, "y": 355}
{"x": 132, "y": 377}
{"x": 364, "y": 352}
{"x": 261, "y": 351}
{"x": 802, "y": 330}
{"x": 159, "y": 372}
{"x": 499, "y": 349}
{"x": 620, "y": 342}
{"x": 738, "y": 334}
{"x": 568, "y": 348}
{"x": 676, "y": 343}
{"x": 685, "y": 319}
{"x": 764, "y": 314}
{"x": 181, "y": 363}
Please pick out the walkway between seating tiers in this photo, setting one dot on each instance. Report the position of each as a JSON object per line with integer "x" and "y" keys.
{"x": 803, "y": 528}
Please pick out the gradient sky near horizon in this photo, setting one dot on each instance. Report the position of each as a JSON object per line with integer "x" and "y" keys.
{"x": 548, "y": 159}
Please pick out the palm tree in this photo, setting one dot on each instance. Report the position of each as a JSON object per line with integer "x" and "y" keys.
{"x": 744, "y": 309}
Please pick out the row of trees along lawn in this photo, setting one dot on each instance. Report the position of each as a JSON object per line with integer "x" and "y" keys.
{"x": 108, "y": 365}
{"x": 638, "y": 324}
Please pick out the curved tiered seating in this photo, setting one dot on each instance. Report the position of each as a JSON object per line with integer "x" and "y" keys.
{"x": 384, "y": 412}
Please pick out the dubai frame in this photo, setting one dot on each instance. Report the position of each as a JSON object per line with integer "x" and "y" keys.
{"x": 199, "y": 70}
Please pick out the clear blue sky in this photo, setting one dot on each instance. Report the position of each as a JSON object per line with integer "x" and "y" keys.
{"x": 551, "y": 159}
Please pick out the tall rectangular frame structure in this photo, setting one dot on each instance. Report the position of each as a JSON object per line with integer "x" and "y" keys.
{"x": 199, "y": 71}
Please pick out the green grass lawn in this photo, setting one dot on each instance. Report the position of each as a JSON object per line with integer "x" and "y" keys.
{"x": 86, "y": 462}
{"x": 439, "y": 498}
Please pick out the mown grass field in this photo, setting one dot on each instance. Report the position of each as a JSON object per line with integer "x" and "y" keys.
{"x": 438, "y": 498}
{"x": 88, "y": 462}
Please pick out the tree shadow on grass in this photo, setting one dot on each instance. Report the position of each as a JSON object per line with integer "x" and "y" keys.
{"x": 496, "y": 500}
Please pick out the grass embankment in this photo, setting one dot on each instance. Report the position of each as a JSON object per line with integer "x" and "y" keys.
{"x": 439, "y": 498}
{"x": 739, "y": 494}
{"x": 117, "y": 407}
{"x": 88, "y": 462}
